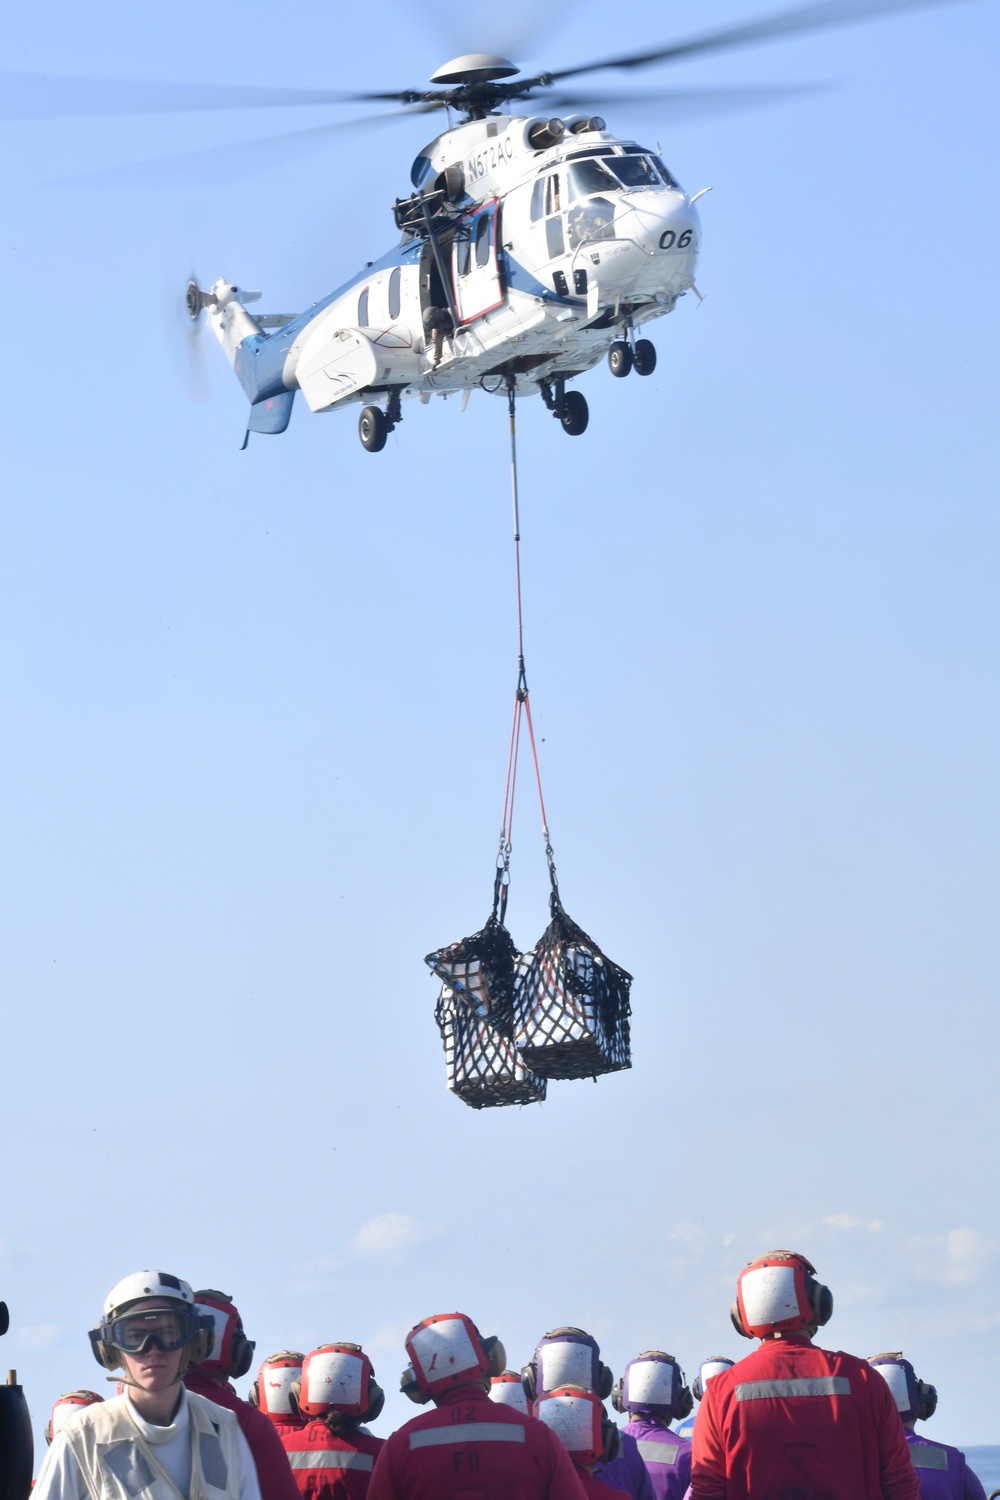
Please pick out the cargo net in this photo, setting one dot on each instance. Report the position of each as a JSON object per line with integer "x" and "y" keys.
{"x": 483, "y": 1066}
{"x": 571, "y": 1005}
{"x": 480, "y": 970}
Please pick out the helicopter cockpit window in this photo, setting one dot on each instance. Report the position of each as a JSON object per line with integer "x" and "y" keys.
{"x": 635, "y": 171}
{"x": 363, "y": 309}
{"x": 592, "y": 219}
{"x": 483, "y": 238}
{"x": 394, "y": 281}
{"x": 664, "y": 172}
{"x": 537, "y": 199}
{"x": 591, "y": 176}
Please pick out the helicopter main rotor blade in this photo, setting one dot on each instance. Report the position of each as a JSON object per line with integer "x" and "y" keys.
{"x": 678, "y": 105}
{"x": 24, "y": 96}
{"x": 230, "y": 163}
{"x": 803, "y": 18}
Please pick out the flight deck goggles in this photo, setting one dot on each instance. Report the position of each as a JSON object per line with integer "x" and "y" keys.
{"x": 168, "y": 1328}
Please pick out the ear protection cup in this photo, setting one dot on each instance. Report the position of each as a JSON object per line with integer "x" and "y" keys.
{"x": 252, "y": 1395}
{"x": 294, "y": 1392}
{"x": 685, "y": 1403}
{"x": 496, "y": 1354}
{"x": 820, "y": 1300}
{"x": 528, "y": 1379}
{"x": 927, "y": 1397}
{"x": 737, "y": 1321}
{"x": 612, "y": 1440}
{"x": 616, "y": 1397}
{"x": 605, "y": 1381}
{"x": 376, "y": 1401}
{"x": 410, "y": 1387}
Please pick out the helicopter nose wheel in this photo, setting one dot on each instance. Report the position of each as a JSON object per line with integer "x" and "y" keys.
{"x": 373, "y": 429}
{"x": 620, "y": 359}
{"x": 574, "y": 415}
{"x": 644, "y": 358}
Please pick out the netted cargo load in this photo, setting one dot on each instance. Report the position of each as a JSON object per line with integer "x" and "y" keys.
{"x": 483, "y": 1067}
{"x": 571, "y": 1005}
{"x": 480, "y": 969}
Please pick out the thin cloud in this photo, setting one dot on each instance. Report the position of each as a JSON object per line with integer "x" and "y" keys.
{"x": 953, "y": 1259}
{"x": 389, "y": 1236}
{"x": 38, "y": 1335}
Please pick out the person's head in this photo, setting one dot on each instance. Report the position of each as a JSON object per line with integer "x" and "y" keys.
{"x": 778, "y": 1294}
{"x": 231, "y": 1354}
{"x": 567, "y": 1356}
{"x": 66, "y": 1407}
{"x": 151, "y": 1329}
{"x": 916, "y": 1401}
{"x": 578, "y": 1418}
{"x": 506, "y": 1390}
{"x": 337, "y": 1386}
{"x": 653, "y": 1386}
{"x": 707, "y": 1370}
{"x": 273, "y": 1390}
{"x": 447, "y": 1350}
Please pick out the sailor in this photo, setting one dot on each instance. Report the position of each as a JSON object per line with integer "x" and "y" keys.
{"x": 572, "y": 1357}
{"x": 578, "y": 1417}
{"x": 652, "y": 1393}
{"x": 228, "y": 1359}
{"x": 942, "y": 1471}
{"x": 469, "y": 1443}
{"x": 157, "y": 1439}
{"x": 792, "y": 1419}
{"x": 271, "y": 1392}
{"x": 714, "y": 1365}
{"x": 66, "y": 1407}
{"x": 331, "y": 1455}
{"x": 438, "y": 325}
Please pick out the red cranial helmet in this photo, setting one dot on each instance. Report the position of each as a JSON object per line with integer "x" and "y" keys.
{"x": 231, "y": 1353}
{"x": 445, "y": 1350}
{"x": 338, "y": 1379}
{"x": 778, "y": 1293}
{"x": 578, "y": 1418}
{"x": 66, "y": 1407}
{"x": 506, "y": 1390}
{"x": 271, "y": 1392}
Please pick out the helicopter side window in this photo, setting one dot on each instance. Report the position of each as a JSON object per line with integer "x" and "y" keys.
{"x": 554, "y": 236}
{"x": 363, "y": 309}
{"x": 593, "y": 219}
{"x": 394, "y": 304}
{"x": 537, "y": 199}
{"x": 552, "y": 203}
{"x": 635, "y": 172}
{"x": 590, "y": 176}
{"x": 483, "y": 238}
{"x": 463, "y": 249}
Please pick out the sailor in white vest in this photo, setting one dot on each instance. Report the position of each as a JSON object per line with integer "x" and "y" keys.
{"x": 158, "y": 1441}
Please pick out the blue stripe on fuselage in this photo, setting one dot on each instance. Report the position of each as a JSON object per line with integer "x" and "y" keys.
{"x": 260, "y": 359}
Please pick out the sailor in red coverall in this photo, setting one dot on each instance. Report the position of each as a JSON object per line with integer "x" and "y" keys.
{"x": 469, "y": 1445}
{"x": 330, "y": 1458}
{"x": 793, "y": 1422}
{"x": 578, "y": 1418}
{"x": 230, "y": 1357}
{"x": 271, "y": 1392}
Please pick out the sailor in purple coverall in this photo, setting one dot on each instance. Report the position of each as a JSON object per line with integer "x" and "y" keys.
{"x": 942, "y": 1471}
{"x": 652, "y": 1393}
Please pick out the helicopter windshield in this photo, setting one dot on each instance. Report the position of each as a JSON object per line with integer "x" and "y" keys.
{"x": 635, "y": 171}
{"x": 590, "y": 176}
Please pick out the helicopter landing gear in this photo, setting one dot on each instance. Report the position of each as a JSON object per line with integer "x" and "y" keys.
{"x": 644, "y": 357}
{"x": 569, "y": 407}
{"x": 574, "y": 415}
{"x": 373, "y": 429}
{"x": 620, "y": 358}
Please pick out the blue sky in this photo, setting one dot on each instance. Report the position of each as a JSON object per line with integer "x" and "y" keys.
{"x": 256, "y": 704}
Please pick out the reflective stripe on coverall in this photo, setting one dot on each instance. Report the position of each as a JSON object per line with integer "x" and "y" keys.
{"x": 942, "y": 1472}
{"x": 331, "y": 1466}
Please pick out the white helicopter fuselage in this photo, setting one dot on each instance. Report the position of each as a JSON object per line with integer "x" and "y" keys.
{"x": 550, "y": 253}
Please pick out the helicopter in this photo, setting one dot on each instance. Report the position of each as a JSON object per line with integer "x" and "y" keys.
{"x": 531, "y": 245}
{"x": 531, "y": 248}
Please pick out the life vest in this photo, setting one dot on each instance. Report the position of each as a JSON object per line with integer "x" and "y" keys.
{"x": 117, "y": 1462}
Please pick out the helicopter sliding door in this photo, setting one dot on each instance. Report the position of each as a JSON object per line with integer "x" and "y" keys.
{"x": 475, "y": 263}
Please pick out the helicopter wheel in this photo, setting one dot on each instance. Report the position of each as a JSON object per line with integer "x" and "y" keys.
{"x": 574, "y": 415}
{"x": 644, "y": 360}
{"x": 620, "y": 358}
{"x": 373, "y": 429}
